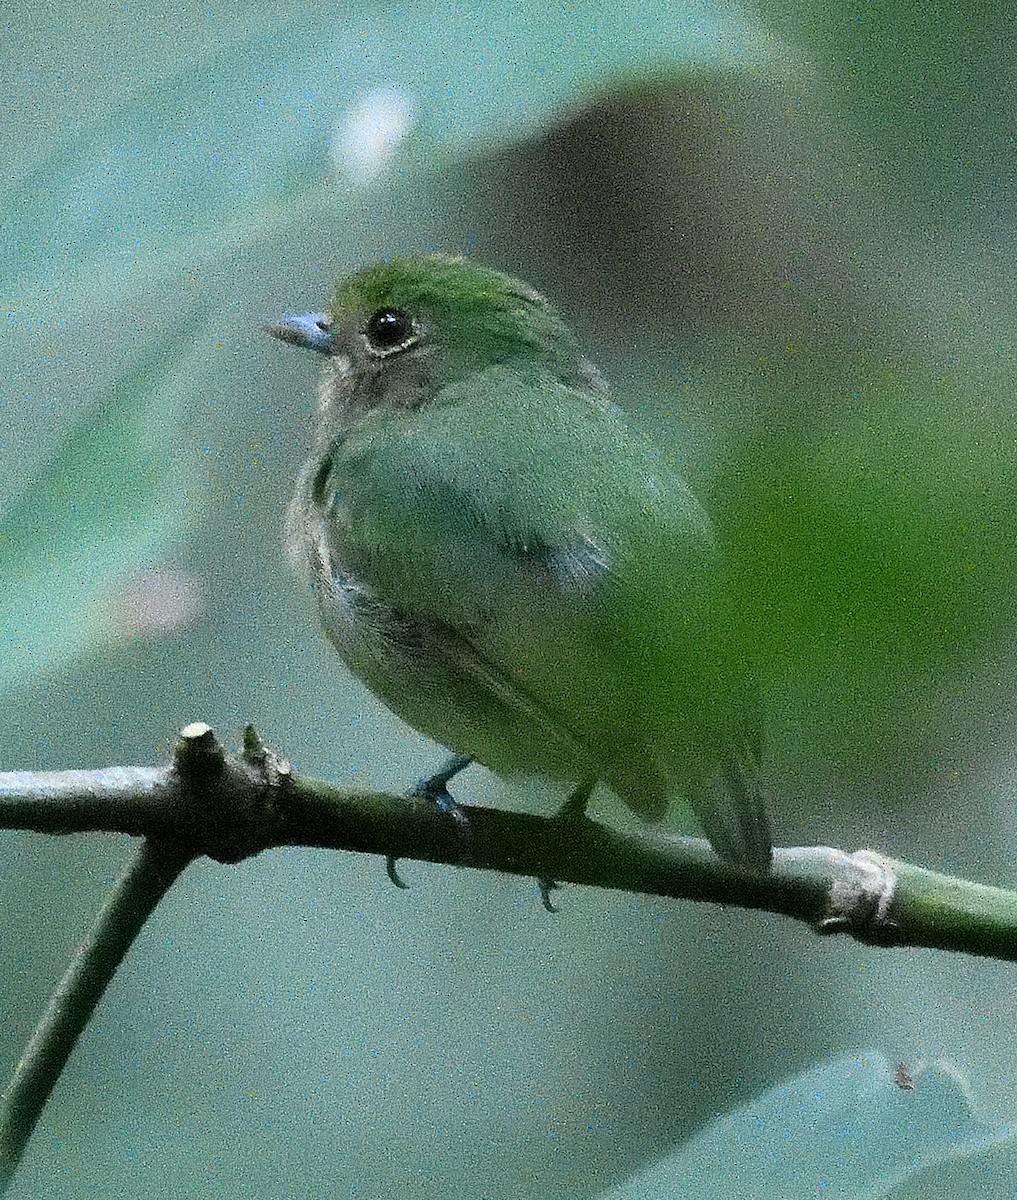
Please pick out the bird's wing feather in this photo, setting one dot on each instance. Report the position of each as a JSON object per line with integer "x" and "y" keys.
{"x": 576, "y": 593}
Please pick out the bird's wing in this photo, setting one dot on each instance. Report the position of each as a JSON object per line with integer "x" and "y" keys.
{"x": 571, "y": 573}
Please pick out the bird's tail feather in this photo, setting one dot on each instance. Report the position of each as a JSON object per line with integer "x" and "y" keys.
{"x": 732, "y": 810}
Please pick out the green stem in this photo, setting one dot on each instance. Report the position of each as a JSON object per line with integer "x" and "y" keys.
{"x": 946, "y": 913}
{"x": 145, "y": 880}
{"x": 877, "y": 900}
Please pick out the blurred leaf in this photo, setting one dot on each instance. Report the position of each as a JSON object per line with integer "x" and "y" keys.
{"x": 141, "y": 198}
{"x": 519, "y": 67}
{"x": 104, "y": 506}
{"x": 874, "y": 531}
{"x": 228, "y": 137}
{"x": 843, "y": 1130}
{"x": 988, "y": 1175}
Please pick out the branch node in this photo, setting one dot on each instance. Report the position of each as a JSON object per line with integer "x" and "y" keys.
{"x": 230, "y": 800}
{"x": 272, "y": 770}
{"x": 198, "y": 752}
{"x": 860, "y": 901}
{"x": 254, "y": 751}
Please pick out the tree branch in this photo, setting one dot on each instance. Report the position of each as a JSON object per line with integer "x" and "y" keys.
{"x": 208, "y": 802}
{"x": 232, "y": 806}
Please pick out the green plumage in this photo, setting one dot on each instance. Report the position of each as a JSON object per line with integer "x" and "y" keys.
{"x": 510, "y": 566}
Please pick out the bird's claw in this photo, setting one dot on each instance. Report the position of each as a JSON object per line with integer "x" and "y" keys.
{"x": 433, "y": 790}
{"x": 392, "y": 873}
{"x": 574, "y": 809}
{"x": 547, "y": 886}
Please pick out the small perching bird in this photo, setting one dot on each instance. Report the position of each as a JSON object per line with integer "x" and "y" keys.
{"x": 508, "y": 564}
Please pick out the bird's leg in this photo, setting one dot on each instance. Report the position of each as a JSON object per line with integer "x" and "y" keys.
{"x": 577, "y": 801}
{"x": 434, "y": 789}
{"x": 573, "y": 809}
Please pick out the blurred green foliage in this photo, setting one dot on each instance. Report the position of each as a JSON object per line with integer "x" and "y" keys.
{"x": 786, "y": 234}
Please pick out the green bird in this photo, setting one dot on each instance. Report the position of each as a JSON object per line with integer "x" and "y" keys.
{"x": 507, "y": 563}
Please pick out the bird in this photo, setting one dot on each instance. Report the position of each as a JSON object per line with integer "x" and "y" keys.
{"x": 510, "y": 565}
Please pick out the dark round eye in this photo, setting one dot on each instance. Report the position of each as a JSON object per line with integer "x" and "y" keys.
{"x": 388, "y": 330}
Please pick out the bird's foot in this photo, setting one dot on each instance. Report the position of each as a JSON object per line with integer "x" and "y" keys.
{"x": 574, "y": 809}
{"x": 392, "y": 873}
{"x": 547, "y": 886}
{"x": 433, "y": 789}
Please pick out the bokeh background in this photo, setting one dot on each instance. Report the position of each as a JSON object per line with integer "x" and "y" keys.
{"x": 786, "y": 232}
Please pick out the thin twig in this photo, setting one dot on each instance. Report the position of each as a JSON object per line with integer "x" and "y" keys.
{"x": 150, "y": 872}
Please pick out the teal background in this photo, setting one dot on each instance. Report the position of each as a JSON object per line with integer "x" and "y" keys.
{"x": 786, "y": 234}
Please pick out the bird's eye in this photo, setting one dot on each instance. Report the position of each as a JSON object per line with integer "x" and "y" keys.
{"x": 389, "y": 330}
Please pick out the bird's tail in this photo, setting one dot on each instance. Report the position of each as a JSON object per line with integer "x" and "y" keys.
{"x": 724, "y": 795}
{"x": 732, "y": 811}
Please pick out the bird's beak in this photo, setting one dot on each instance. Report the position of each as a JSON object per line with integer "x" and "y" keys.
{"x": 312, "y": 331}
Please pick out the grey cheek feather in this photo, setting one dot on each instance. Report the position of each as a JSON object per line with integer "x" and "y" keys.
{"x": 333, "y": 378}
